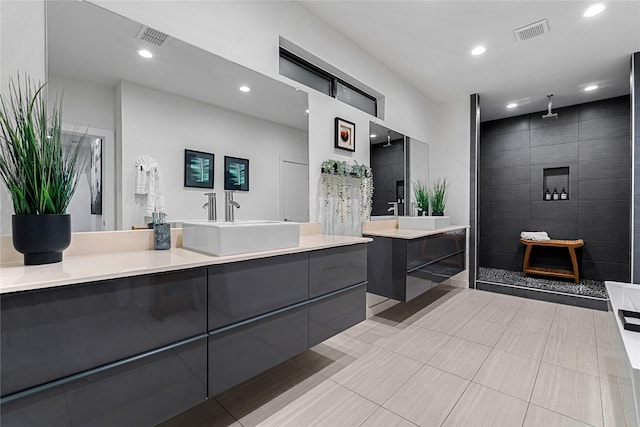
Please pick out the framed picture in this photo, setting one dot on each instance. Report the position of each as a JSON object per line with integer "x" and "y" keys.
{"x": 96, "y": 176}
{"x": 236, "y": 174}
{"x": 345, "y": 135}
{"x": 198, "y": 169}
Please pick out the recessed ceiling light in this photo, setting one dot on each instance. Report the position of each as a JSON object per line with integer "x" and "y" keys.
{"x": 512, "y": 105}
{"x": 245, "y": 88}
{"x": 373, "y": 135}
{"x": 145, "y": 53}
{"x": 594, "y": 10}
{"x": 590, "y": 88}
{"x": 478, "y": 50}
{"x": 306, "y": 111}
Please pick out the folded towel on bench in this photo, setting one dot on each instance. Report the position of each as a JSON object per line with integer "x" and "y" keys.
{"x": 534, "y": 235}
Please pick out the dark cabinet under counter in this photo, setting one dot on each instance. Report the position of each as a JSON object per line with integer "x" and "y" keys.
{"x": 402, "y": 269}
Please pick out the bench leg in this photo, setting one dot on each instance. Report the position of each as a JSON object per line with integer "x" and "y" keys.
{"x": 574, "y": 262}
{"x": 525, "y": 264}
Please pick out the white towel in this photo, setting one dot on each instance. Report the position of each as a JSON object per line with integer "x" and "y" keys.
{"x": 534, "y": 235}
{"x": 144, "y": 164}
{"x": 155, "y": 198}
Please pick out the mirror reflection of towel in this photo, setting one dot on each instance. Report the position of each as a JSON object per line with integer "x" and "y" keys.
{"x": 148, "y": 183}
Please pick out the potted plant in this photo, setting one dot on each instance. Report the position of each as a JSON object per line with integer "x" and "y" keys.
{"x": 40, "y": 174}
{"x": 438, "y": 197}
{"x": 421, "y": 194}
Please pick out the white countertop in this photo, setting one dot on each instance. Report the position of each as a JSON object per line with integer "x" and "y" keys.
{"x": 15, "y": 276}
{"x": 406, "y": 233}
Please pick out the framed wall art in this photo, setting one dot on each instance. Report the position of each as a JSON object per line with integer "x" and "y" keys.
{"x": 345, "y": 135}
{"x": 236, "y": 173}
{"x": 198, "y": 169}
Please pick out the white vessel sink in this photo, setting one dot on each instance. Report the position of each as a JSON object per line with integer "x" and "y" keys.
{"x": 423, "y": 222}
{"x": 228, "y": 238}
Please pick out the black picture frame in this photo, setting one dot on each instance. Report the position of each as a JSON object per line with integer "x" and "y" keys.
{"x": 236, "y": 173}
{"x": 198, "y": 169}
{"x": 345, "y": 138}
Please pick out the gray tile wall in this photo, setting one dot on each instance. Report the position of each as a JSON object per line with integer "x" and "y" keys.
{"x": 593, "y": 140}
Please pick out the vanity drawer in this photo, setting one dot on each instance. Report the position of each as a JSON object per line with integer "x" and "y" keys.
{"x": 418, "y": 282}
{"x": 331, "y": 315}
{"x": 241, "y": 290}
{"x": 241, "y": 352}
{"x": 336, "y": 268}
{"x": 52, "y": 333}
{"x": 145, "y": 391}
{"x": 432, "y": 248}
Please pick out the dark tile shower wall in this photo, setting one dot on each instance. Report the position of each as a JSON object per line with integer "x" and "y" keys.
{"x": 593, "y": 140}
{"x": 387, "y": 164}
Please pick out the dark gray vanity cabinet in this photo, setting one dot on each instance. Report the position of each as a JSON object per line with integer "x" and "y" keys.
{"x": 402, "y": 269}
{"x": 53, "y": 333}
{"x": 138, "y": 350}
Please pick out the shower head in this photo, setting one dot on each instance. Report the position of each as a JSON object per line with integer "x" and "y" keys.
{"x": 388, "y": 144}
{"x": 549, "y": 114}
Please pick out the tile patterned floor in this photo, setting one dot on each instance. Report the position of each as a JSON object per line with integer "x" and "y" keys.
{"x": 452, "y": 357}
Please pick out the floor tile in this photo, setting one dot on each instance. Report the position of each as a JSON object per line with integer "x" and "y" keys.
{"x": 569, "y": 393}
{"x": 333, "y": 355}
{"x": 613, "y": 363}
{"x": 481, "y": 406}
{"x": 453, "y": 319}
{"x": 605, "y": 318}
{"x": 576, "y": 314}
{"x": 509, "y": 373}
{"x": 539, "y": 308}
{"x": 608, "y": 337}
{"x": 460, "y": 357}
{"x": 415, "y": 342}
{"x": 571, "y": 355}
{"x": 377, "y": 375}
{"x": 273, "y": 393}
{"x": 428, "y": 397}
{"x": 335, "y": 406}
{"x": 508, "y": 301}
{"x": 540, "y": 417}
{"x": 523, "y": 342}
{"x": 385, "y": 418}
{"x": 496, "y": 314}
{"x": 209, "y": 413}
{"x": 532, "y": 322}
{"x": 482, "y": 332}
{"x": 373, "y": 329}
{"x": 617, "y": 403}
{"x": 574, "y": 331}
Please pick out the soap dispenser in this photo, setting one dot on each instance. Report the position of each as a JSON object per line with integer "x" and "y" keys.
{"x": 563, "y": 195}
{"x": 555, "y": 195}
{"x": 161, "y": 232}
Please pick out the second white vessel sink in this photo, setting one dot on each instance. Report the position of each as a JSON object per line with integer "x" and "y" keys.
{"x": 229, "y": 238}
{"x": 424, "y": 222}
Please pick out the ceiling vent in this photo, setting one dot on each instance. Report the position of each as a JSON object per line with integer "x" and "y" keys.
{"x": 155, "y": 37}
{"x": 532, "y": 30}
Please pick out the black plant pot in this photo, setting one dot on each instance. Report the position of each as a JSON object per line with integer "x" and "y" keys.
{"x": 437, "y": 213}
{"x": 422, "y": 213}
{"x": 41, "y": 238}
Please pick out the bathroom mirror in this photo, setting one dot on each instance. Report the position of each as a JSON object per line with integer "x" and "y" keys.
{"x": 182, "y": 98}
{"x": 388, "y": 163}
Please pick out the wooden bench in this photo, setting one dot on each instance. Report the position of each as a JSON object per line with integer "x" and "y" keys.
{"x": 555, "y": 272}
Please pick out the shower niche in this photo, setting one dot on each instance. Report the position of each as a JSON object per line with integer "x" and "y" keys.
{"x": 555, "y": 184}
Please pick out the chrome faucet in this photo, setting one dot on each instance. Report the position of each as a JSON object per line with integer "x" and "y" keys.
{"x": 393, "y": 208}
{"x": 229, "y": 204}
{"x": 211, "y": 205}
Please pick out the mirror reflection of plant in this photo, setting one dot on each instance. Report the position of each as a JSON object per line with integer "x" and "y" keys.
{"x": 40, "y": 174}
{"x": 336, "y": 180}
{"x": 421, "y": 194}
{"x": 439, "y": 195}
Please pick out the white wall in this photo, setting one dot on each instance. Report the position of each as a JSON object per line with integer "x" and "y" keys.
{"x": 248, "y": 33}
{"x": 162, "y": 125}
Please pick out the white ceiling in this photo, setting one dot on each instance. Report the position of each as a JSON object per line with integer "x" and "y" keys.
{"x": 89, "y": 43}
{"x": 428, "y": 43}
